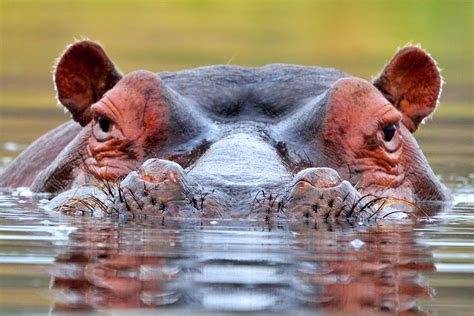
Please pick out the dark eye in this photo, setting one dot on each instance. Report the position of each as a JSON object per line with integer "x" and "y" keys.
{"x": 104, "y": 124}
{"x": 389, "y": 131}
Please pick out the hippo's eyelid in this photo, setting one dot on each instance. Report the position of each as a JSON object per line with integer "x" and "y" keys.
{"x": 104, "y": 109}
{"x": 99, "y": 113}
{"x": 391, "y": 117}
{"x": 111, "y": 106}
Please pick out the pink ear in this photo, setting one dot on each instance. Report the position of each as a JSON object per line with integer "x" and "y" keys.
{"x": 412, "y": 83}
{"x": 83, "y": 74}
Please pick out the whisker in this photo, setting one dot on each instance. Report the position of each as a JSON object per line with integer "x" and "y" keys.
{"x": 136, "y": 201}
{"x": 378, "y": 209}
{"x": 399, "y": 211}
{"x": 120, "y": 192}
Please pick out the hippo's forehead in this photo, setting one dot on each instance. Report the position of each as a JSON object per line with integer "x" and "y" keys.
{"x": 274, "y": 89}
{"x": 136, "y": 87}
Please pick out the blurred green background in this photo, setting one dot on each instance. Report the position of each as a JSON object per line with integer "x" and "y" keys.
{"x": 355, "y": 36}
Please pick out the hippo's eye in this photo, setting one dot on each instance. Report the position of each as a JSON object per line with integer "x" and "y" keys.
{"x": 104, "y": 124}
{"x": 389, "y": 131}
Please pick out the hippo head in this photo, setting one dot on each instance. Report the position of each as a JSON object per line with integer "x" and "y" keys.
{"x": 286, "y": 140}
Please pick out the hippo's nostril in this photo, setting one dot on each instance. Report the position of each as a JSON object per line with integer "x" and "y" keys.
{"x": 157, "y": 170}
{"x": 319, "y": 177}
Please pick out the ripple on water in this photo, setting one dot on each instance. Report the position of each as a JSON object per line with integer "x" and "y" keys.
{"x": 59, "y": 262}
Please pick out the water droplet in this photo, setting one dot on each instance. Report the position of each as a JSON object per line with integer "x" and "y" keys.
{"x": 13, "y": 147}
{"x": 357, "y": 243}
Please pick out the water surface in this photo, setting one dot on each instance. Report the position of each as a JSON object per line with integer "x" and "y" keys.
{"x": 57, "y": 262}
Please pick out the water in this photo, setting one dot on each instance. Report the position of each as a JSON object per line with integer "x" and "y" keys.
{"x": 54, "y": 262}
{"x": 57, "y": 262}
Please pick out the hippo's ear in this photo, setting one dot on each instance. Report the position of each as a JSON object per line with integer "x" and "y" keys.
{"x": 412, "y": 83}
{"x": 83, "y": 74}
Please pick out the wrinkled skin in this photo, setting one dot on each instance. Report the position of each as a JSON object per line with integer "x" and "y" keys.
{"x": 280, "y": 141}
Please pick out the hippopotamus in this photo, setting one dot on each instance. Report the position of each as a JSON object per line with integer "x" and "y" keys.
{"x": 277, "y": 141}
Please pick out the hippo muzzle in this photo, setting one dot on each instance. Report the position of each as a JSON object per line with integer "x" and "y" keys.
{"x": 161, "y": 188}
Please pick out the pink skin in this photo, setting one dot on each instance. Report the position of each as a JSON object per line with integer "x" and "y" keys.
{"x": 133, "y": 115}
{"x": 353, "y": 132}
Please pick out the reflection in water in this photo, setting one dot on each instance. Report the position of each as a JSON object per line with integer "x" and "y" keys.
{"x": 113, "y": 268}
{"x": 73, "y": 263}
{"x": 230, "y": 267}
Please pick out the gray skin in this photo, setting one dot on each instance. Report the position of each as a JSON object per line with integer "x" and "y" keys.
{"x": 236, "y": 142}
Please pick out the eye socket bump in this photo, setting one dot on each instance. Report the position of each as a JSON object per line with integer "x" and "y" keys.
{"x": 389, "y": 132}
{"x": 104, "y": 124}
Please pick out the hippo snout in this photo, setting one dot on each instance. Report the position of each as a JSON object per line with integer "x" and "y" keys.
{"x": 162, "y": 188}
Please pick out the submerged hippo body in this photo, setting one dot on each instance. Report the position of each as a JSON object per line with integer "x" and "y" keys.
{"x": 280, "y": 141}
